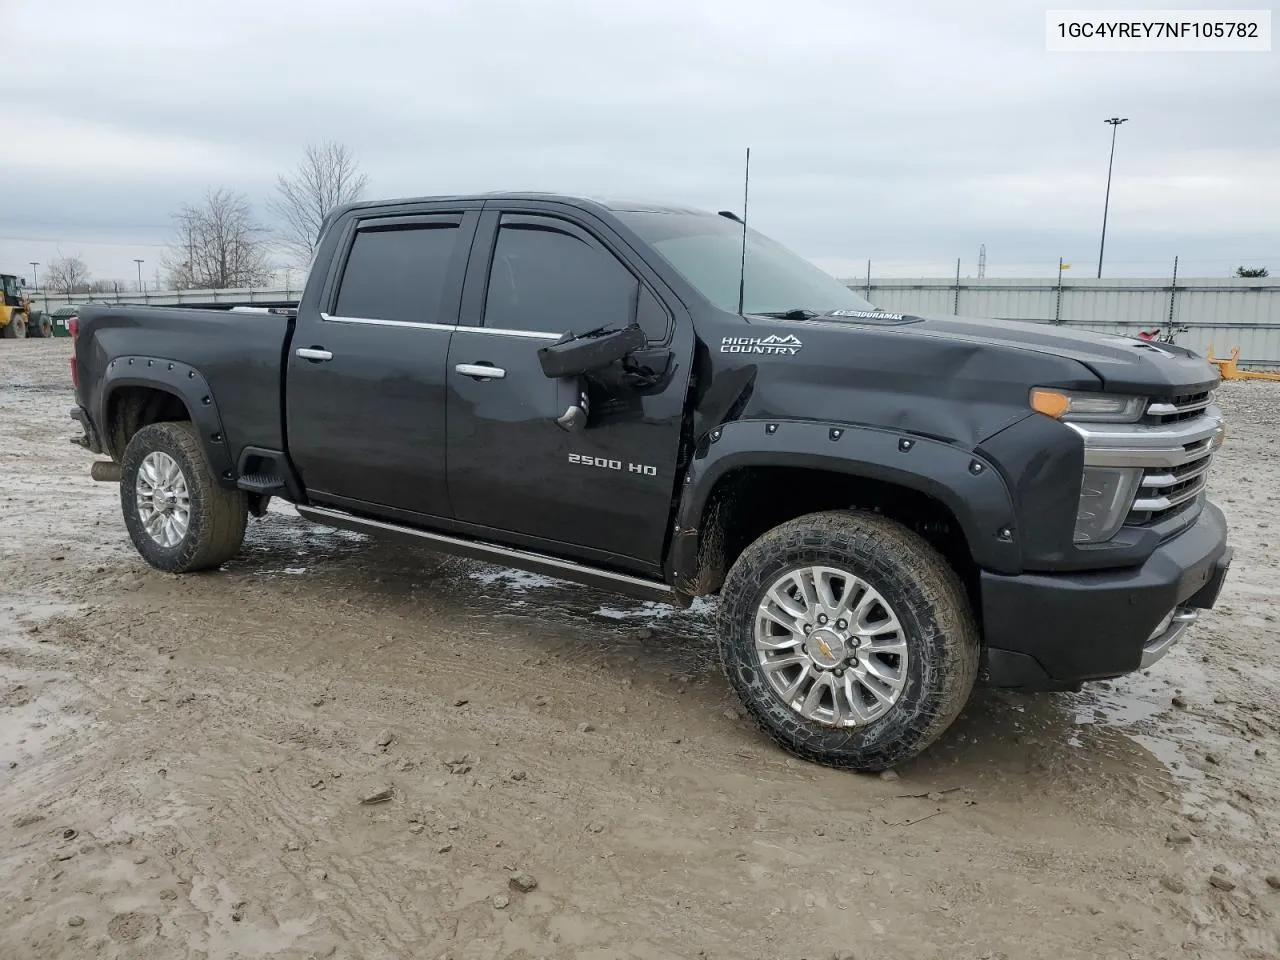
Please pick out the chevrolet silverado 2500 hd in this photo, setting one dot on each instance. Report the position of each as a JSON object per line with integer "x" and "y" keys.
{"x": 887, "y": 506}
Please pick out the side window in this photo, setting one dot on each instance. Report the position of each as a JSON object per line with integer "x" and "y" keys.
{"x": 551, "y": 281}
{"x": 398, "y": 273}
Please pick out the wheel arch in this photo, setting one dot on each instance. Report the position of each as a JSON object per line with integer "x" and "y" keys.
{"x": 139, "y": 391}
{"x": 749, "y": 476}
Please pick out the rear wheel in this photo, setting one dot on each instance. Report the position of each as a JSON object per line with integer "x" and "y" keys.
{"x": 40, "y": 326}
{"x": 179, "y": 518}
{"x": 16, "y": 328}
{"x": 849, "y": 639}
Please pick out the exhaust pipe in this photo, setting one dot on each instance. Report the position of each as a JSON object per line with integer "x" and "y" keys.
{"x": 106, "y": 471}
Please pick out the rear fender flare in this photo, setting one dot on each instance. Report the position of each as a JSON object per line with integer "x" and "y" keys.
{"x": 188, "y": 385}
{"x": 967, "y": 483}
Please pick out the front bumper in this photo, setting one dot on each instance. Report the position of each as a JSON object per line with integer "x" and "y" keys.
{"x": 1053, "y": 631}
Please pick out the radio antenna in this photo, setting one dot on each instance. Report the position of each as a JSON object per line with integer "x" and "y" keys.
{"x": 742, "y": 270}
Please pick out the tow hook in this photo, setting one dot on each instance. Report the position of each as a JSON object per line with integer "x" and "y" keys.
{"x": 106, "y": 471}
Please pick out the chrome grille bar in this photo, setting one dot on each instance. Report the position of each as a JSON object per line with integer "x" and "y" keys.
{"x": 1169, "y": 479}
{"x": 1158, "y": 408}
{"x": 1162, "y": 503}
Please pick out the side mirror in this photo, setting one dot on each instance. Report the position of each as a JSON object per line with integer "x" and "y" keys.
{"x": 574, "y": 356}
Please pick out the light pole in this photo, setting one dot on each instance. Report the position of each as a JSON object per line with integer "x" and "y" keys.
{"x": 139, "y": 263}
{"x": 35, "y": 276}
{"x": 1106, "y": 204}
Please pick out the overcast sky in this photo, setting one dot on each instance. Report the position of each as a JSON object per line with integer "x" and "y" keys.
{"x": 907, "y": 133}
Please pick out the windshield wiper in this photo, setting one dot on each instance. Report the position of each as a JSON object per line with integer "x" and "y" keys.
{"x": 795, "y": 313}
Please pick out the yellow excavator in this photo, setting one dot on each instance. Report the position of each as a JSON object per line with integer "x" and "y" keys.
{"x": 15, "y": 309}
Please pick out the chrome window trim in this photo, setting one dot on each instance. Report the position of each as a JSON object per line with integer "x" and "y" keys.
{"x": 497, "y": 332}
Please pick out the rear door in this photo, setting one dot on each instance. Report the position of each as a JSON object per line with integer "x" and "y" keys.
{"x": 603, "y": 493}
{"x": 366, "y": 389}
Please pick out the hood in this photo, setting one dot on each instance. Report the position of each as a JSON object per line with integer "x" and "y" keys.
{"x": 1124, "y": 364}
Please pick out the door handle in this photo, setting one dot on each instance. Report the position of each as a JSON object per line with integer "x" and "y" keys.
{"x": 481, "y": 371}
{"x": 314, "y": 354}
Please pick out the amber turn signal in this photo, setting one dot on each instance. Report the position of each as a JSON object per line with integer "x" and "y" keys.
{"x": 1050, "y": 402}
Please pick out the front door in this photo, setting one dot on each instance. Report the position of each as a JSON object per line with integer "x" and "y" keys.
{"x": 603, "y": 492}
{"x": 366, "y": 375}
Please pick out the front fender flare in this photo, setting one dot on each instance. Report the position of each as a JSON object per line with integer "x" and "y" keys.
{"x": 967, "y": 483}
{"x": 188, "y": 385}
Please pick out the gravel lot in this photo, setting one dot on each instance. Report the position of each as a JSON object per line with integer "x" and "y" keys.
{"x": 183, "y": 760}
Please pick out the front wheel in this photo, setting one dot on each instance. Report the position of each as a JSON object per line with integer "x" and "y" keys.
{"x": 849, "y": 639}
{"x": 179, "y": 518}
{"x": 16, "y": 328}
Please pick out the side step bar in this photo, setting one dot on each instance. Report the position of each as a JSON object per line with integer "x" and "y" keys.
{"x": 263, "y": 483}
{"x": 492, "y": 553}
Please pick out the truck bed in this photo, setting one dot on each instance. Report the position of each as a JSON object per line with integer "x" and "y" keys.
{"x": 239, "y": 353}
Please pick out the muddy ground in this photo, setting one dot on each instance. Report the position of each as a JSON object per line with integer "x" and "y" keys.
{"x": 182, "y": 760}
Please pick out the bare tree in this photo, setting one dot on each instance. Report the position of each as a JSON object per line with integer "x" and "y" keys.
{"x": 68, "y": 275}
{"x": 327, "y": 177}
{"x": 1252, "y": 272}
{"x": 218, "y": 245}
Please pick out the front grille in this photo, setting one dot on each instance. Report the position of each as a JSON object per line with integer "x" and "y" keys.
{"x": 1166, "y": 491}
{"x": 1177, "y": 409}
{"x": 1172, "y": 445}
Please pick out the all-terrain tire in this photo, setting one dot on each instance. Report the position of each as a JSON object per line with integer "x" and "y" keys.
{"x": 40, "y": 326}
{"x": 932, "y": 608}
{"x": 217, "y": 517}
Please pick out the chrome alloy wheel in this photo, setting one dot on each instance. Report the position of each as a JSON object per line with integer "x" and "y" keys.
{"x": 831, "y": 646}
{"x": 164, "y": 503}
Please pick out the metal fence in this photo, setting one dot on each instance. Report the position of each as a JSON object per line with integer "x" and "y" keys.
{"x": 1242, "y": 313}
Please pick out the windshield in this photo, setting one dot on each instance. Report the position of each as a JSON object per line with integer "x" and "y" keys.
{"x": 10, "y": 285}
{"x": 707, "y": 251}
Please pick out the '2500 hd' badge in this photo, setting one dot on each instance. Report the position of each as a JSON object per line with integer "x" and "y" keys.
{"x": 787, "y": 346}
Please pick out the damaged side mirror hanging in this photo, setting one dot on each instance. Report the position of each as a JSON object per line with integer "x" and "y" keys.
{"x": 574, "y": 419}
{"x": 571, "y": 357}
{"x": 574, "y": 355}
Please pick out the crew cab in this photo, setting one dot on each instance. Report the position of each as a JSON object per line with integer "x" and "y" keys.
{"x": 663, "y": 402}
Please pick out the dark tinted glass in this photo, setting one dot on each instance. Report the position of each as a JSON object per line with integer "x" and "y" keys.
{"x": 546, "y": 280}
{"x": 398, "y": 274}
{"x": 707, "y": 251}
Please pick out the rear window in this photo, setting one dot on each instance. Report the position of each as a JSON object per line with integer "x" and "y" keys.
{"x": 398, "y": 274}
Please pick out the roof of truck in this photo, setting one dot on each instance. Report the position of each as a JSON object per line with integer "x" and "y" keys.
{"x": 614, "y": 204}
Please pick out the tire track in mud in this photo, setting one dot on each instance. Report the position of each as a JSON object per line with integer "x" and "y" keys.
{"x": 298, "y": 741}
{"x": 1055, "y": 844}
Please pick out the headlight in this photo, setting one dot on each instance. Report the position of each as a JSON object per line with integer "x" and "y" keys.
{"x": 1106, "y": 493}
{"x": 1087, "y": 407}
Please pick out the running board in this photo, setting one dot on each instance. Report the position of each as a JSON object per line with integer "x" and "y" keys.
{"x": 492, "y": 553}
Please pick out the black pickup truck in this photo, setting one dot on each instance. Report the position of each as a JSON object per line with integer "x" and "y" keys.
{"x": 887, "y": 506}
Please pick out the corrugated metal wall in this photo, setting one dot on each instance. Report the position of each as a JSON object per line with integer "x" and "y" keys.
{"x": 1224, "y": 313}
